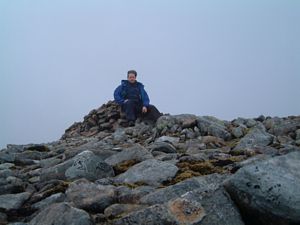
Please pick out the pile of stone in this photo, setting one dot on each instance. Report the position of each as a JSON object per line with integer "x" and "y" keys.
{"x": 184, "y": 169}
{"x": 104, "y": 118}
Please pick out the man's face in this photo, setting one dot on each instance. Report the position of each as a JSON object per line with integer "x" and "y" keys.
{"x": 131, "y": 78}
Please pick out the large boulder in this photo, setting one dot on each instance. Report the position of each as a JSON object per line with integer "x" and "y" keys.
{"x": 88, "y": 165}
{"x": 207, "y": 207}
{"x": 90, "y": 196}
{"x": 212, "y": 126}
{"x": 256, "y": 137}
{"x": 62, "y": 214}
{"x": 268, "y": 192}
{"x": 13, "y": 201}
{"x": 151, "y": 172}
{"x": 84, "y": 165}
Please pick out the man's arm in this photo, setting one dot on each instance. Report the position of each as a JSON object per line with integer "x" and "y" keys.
{"x": 118, "y": 95}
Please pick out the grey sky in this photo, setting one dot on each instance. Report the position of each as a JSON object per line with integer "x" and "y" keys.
{"x": 61, "y": 58}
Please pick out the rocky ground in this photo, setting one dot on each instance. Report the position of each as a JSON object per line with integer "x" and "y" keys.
{"x": 184, "y": 169}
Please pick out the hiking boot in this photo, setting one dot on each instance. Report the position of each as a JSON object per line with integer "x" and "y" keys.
{"x": 131, "y": 123}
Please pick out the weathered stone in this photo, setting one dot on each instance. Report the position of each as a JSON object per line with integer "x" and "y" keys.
{"x": 58, "y": 197}
{"x": 256, "y": 137}
{"x": 239, "y": 131}
{"x": 56, "y": 172}
{"x": 13, "y": 201}
{"x": 268, "y": 192}
{"x": 117, "y": 210}
{"x": 90, "y": 196}
{"x": 151, "y": 171}
{"x": 128, "y": 195}
{"x": 6, "y": 166}
{"x": 298, "y": 134}
{"x": 172, "y": 140}
{"x": 196, "y": 207}
{"x": 62, "y": 214}
{"x": 213, "y": 126}
{"x": 209, "y": 182}
{"x": 153, "y": 215}
{"x": 250, "y": 123}
{"x": 3, "y": 218}
{"x": 11, "y": 185}
{"x": 162, "y": 147}
{"x": 207, "y": 207}
{"x": 88, "y": 165}
{"x": 283, "y": 126}
{"x": 138, "y": 153}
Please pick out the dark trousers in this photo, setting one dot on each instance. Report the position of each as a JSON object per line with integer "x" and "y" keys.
{"x": 133, "y": 109}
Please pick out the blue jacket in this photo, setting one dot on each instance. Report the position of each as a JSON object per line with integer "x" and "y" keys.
{"x": 121, "y": 93}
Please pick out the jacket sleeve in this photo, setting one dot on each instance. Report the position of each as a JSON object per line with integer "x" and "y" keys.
{"x": 145, "y": 97}
{"x": 118, "y": 95}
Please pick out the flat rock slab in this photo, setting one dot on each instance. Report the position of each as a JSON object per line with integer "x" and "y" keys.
{"x": 62, "y": 214}
{"x": 13, "y": 201}
{"x": 268, "y": 192}
{"x": 151, "y": 172}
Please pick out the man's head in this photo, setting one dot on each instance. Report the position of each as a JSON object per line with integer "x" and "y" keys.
{"x": 131, "y": 76}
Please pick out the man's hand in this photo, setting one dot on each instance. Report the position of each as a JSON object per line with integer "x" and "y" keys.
{"x": 144, "y": 109}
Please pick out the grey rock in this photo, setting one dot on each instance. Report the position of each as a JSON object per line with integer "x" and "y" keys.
{"x": 46, "y": 163}
{"x": 11, "y": 185}
{"x": 282, "y": 126}
{"x": 116, "y": 210}
{"x": 298, "y": 134}
{"x": 88, "y": 165}
{"x": 239, "y": 131}
{"x": 162, "y": 147}
{"x": 268, "y": 192}
{"x": 128, "y": 195}
{"x": 256, "y": 137}
{"x": 288, "y": 148}
{"x": 137, "y": 152}
{"x": 18, "y": 223}
{"x": 239, "y": 121}
{"x": 3, "y": 218}
{"x": 56, "y": 172}
{"x": 207, "y": 207}
{"x": 6, "y": 166}
{"x": 197, "y": 207}
{"x": 212, "y": 126}
{"x": 55, "y": 198}
{"x": 13, "y": 201}
{"x": 209, "y": 182}
{"x": 90, "y": 196}
{"x": 62, "y": 214}
{"x": 172, "y": 140}
{"x": 153, "y": 215}
{"x": 219, "y": 131}
{"x": 250, "y": 123}
{"x": 151, "y": 171}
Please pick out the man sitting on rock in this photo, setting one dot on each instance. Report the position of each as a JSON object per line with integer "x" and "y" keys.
{"x": 134, "y": 100}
